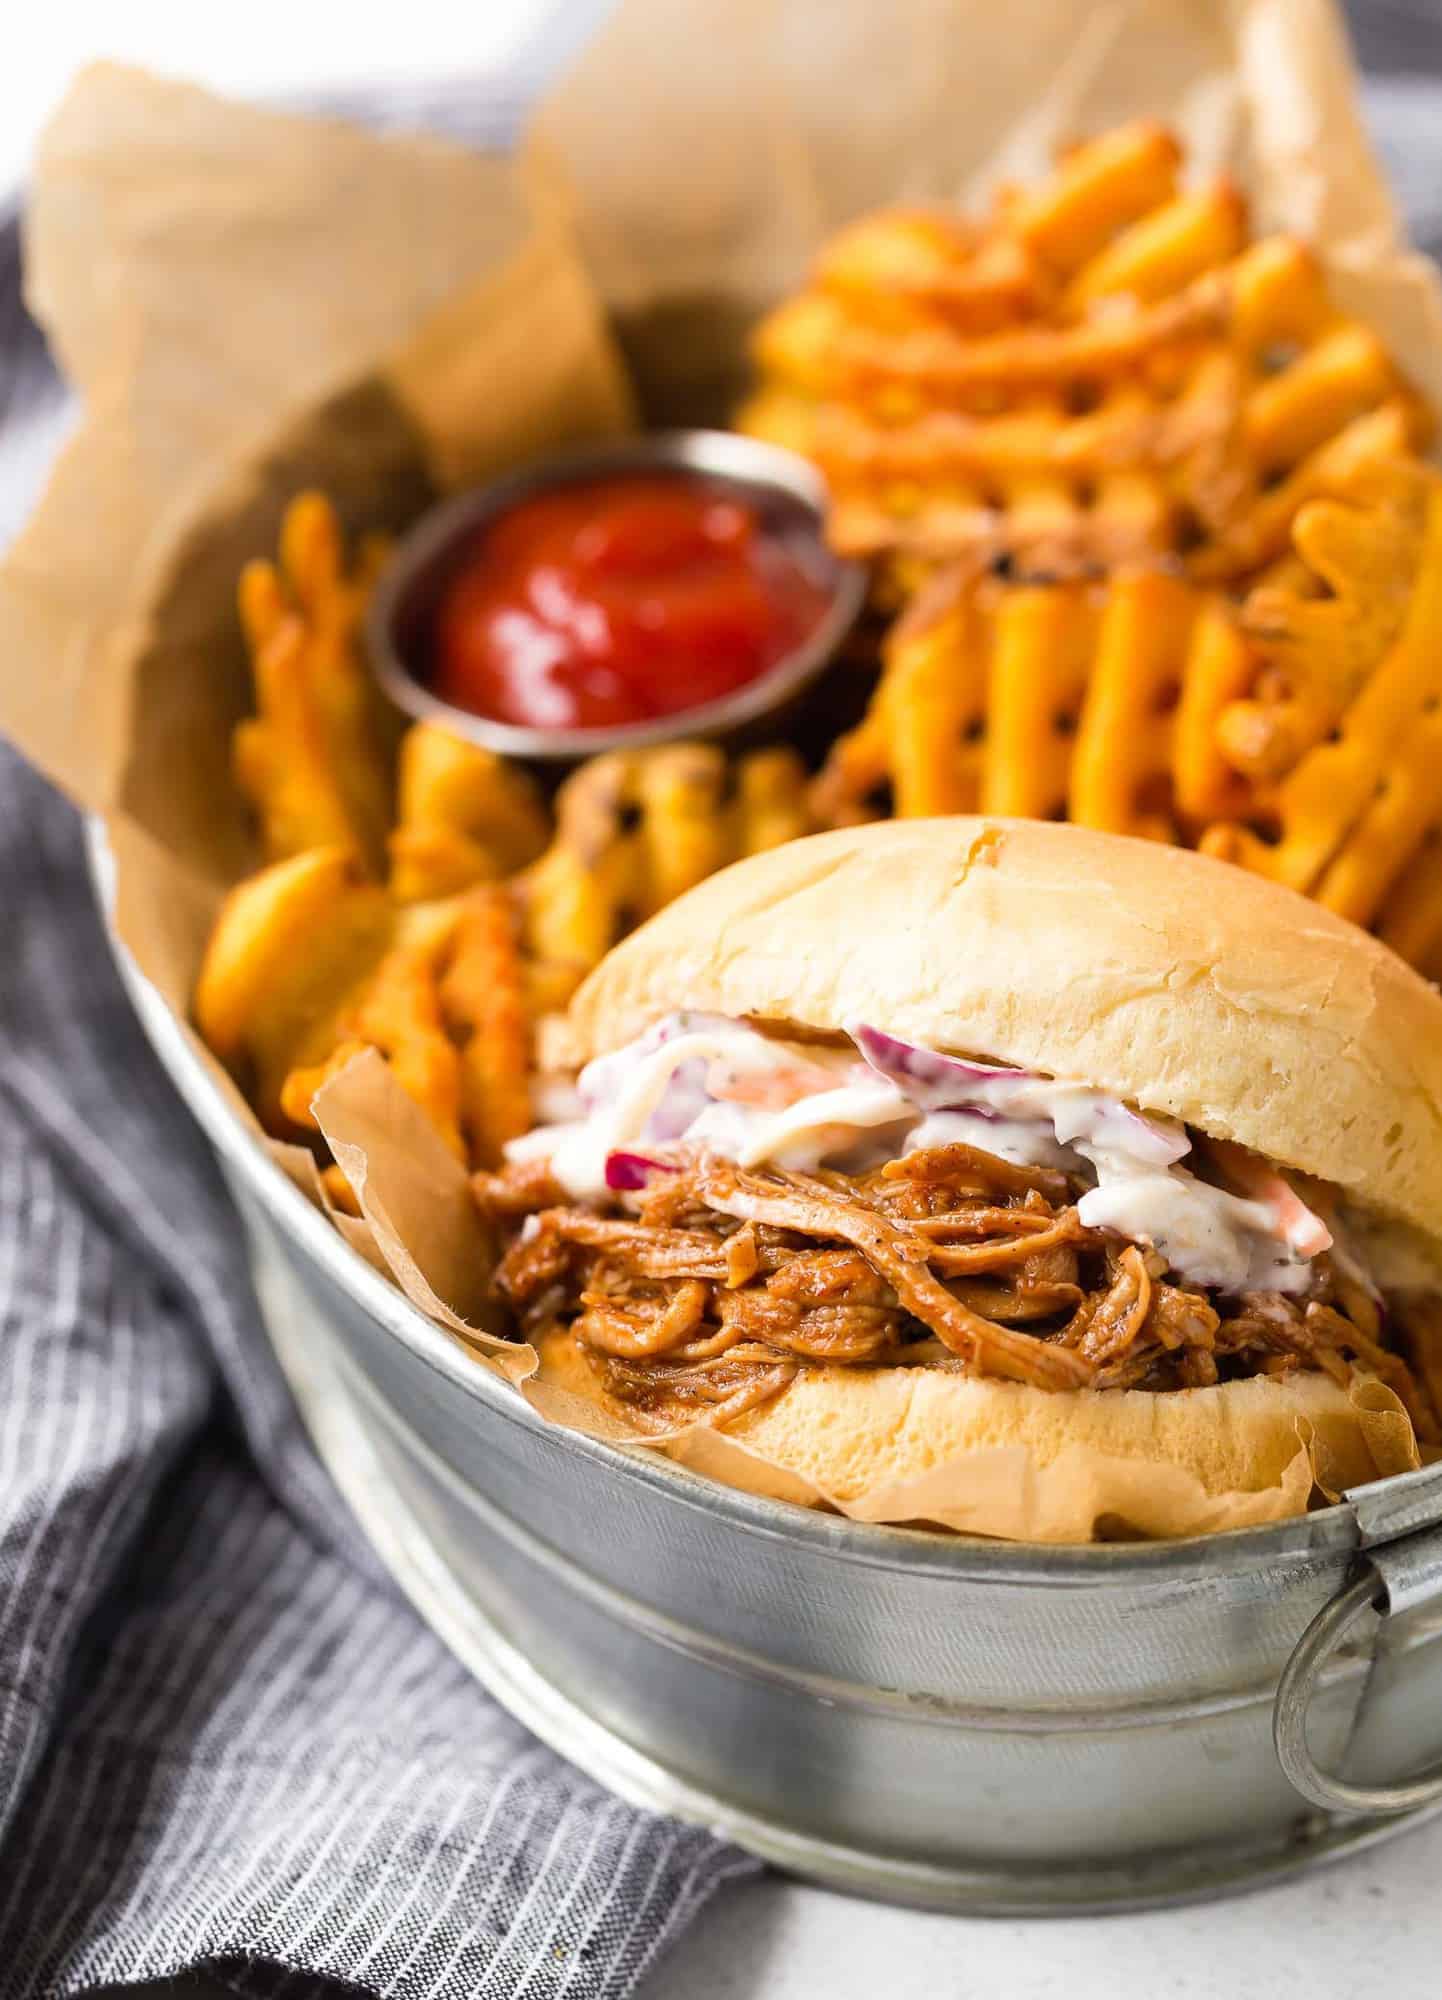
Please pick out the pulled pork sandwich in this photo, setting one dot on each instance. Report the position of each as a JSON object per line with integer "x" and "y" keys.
{"x": 931, "y": 1150}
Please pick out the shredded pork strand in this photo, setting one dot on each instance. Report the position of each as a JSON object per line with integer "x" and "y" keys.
{"x": 705, "y": 1295}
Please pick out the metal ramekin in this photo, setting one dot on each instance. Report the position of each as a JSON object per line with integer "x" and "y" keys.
{"x": 975, "y": 1725}
{"x": 783, "y": 486}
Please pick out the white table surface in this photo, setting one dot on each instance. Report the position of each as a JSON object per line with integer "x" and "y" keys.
{"x": 1358, "y": 1928}
{"x": 1369, "y": 1928}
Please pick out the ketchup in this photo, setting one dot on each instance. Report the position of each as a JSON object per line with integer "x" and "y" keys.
{"x": 617, "y": 600}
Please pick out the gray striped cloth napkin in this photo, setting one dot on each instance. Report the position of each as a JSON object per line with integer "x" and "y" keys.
{"x": 225, "y": 1742}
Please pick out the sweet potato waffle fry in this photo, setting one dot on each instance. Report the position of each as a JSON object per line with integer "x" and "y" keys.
{"x": 908, "y": 266}
{"x": 1410, "y": 919}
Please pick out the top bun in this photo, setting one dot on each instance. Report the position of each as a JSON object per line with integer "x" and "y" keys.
{"x": 1182, "y": 984}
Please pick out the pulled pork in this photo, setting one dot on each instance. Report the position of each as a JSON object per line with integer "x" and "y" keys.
{"x": 721, "y": 1284}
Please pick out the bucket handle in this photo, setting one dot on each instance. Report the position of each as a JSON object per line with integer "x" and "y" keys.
{"x": 1399, "y": 1571}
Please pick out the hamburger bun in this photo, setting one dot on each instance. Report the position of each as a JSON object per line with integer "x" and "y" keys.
{"x": 978, "y": 1455}
{"x": 1181, "y": 984}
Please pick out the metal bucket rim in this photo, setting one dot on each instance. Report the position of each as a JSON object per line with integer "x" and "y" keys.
{"x": 1323, "y": 1532}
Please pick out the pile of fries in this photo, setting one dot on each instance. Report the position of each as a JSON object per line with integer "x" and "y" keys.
{"x": 1161, "y": 555}
{"x": 1105, "y": 370}
{"x": 1167, "y": 560}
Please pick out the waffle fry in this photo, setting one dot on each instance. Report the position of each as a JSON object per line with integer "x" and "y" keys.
{"x": 1041, "y": 663}
{"x": 782, "y": 416}
{"x": 398, "y": 1012}
{"x": 1233, "y": 444}
{"x": 312, "y": 761}
{"x": 576, "y": 896}
{"x": 1177, "y": 390}
{"x": 464, "y": 815}
{"x": 904, "y": 266}
{"x": 1095, "y": 701}
{"x": 1164, "y": 250}
{"x": 1318, "y": 401}
{"x": 1029, "y": 526}
{"x": 300, "y": 1085}
{"x": 925, "y": 428}
{"x": 817, "y": 345}
{"x": 1121, "y": 771}
{"x": 1168, "y": 659}
{"x": 288, "y": 943}
{"x": 1048, "y": 494}
{"x": 1220, "y": 668}
{"x": 484, "y": 1001}
{"x": 952, "y": 369}
{"x": 1358, "y": 807}
{"x": 1098, "y": 189}
{"x": 1316, "y": 651}
{"x": 279, "y": 756}
{"x": 935, "y": 682}
{"x": 338, "y": 1190}
{"x": 1410, "y": 919}
{"x": 1404, "y": 813}
{"x": 1123, "y": 433}
{"x": 923, "y": 739}
{"x": 633, "y": 831}
{"x": 681, "y": 836}
{"x": 771, "y": 804}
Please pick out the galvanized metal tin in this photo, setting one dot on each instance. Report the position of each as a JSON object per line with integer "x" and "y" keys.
{"x": 978, "y": 1725}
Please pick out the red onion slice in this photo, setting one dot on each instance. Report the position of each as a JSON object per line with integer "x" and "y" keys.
{"x": 906, "y": 1063}
{"x": 1075, "y": 1114}
{"x": 627, "y": 1173}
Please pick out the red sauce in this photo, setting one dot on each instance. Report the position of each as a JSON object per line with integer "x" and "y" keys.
{"x": 617, "y": 600}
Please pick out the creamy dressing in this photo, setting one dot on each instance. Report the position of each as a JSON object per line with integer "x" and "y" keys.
{"x": 720, "y": 1086}
{"x": 823, "y": 1126}
{"x": 1217, "y": 1239}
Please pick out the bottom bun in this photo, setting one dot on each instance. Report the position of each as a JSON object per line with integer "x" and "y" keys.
{"x": 931, "y": 1446}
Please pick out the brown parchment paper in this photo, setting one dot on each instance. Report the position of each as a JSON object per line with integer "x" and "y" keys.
{"x": 417, "y": 1201}
{"x": 251, "y": 303}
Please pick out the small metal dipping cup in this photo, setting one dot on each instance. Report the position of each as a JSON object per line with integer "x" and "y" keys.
{"x": 785, "y": 490}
